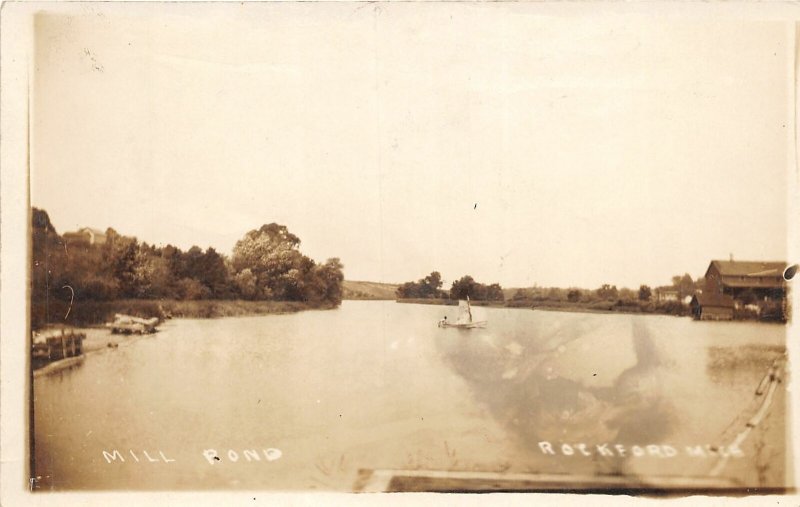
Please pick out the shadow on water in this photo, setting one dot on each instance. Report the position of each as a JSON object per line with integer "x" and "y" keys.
{"x": 643, "y": 413}
{"x": 537, "y": 402}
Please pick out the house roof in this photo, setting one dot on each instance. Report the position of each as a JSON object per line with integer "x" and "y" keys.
{"x": 711, "y": 299}
{"x": 96, "y": 232}
{"x": 749, "y": 268}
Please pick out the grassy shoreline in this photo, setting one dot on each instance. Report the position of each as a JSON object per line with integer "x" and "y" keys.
{"x": 560, "y": 306}
{"x": 449, "y": 302}
{"x": 97, "y": 313}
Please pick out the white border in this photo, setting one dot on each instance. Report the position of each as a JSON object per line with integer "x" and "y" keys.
{"x": 16, "y": 36}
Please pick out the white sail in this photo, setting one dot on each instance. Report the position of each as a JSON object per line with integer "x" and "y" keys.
{"x": 464, "y": 313}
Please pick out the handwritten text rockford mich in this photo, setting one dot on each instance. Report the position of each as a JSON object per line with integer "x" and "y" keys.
{"x": 638, "y": 451}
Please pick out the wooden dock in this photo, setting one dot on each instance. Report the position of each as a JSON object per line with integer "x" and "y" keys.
{"x": 56, "y": 344}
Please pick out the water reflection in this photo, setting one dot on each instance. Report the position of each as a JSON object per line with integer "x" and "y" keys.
{"x": 735, "y": 365}
{"x": 379, "y": 386}
{"x": 530, "y": 391}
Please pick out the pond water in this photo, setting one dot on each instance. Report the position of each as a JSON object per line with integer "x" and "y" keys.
{"x": 305, "y": 401}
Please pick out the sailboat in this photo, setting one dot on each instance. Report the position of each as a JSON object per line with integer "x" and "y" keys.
{"x": 465, "y": 320}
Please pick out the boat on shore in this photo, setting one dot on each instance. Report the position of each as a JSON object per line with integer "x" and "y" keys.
{"x": 127, "y": 324}
{"x": 465, "y": 319}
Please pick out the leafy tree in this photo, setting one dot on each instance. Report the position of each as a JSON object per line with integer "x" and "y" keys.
{"x": 626, "y": 294}
{"x": 427, "y": 287}
{"x": 270, "y": 253}
{"x": 120, "y": 255}
{"x": 494, "y": 292}
{"x": 645, "y": 293}
{"x": 462, "y": 288}
{"x": 521, "y": 294}
{"x": 431, "y": 284}
{"x": 467, "y": 286}
{"x": 191, "y": 289}
{"x": 247, "y": 284}
{"x": 281, "y": 272}
{"x": 408, "y": 290}
{"x": 684, "y": 285}
{"x": 607, "y": 292}
{"x": 573, "y": 296}
{"x": 332, "y": 275}
{"x": 152, "y": 276}
{"x": 214, "y": 273}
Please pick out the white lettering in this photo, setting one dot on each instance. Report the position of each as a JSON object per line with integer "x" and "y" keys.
{"x": 620, "y": 449}
{"x": 232, "y": 455}
{"x": 603, "y": 450}
{"x": 273, "y": 454}
{"x": 669, "y": 451}
{"x": 113, "y": 456}
{"x": 211, "y": 455}
{"x": 637, "y": 451}
{"x": 166, "y": 460}
{"x": 582, "y": 448}
{"x": 546, "y": 448}
{"x": 566, "y": 450}
{"x": 251, "y": 455}
{"x": 695, "y": 451}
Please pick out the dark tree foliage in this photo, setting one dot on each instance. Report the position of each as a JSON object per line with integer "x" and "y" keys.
{"x": 467, "y": 286}
{"x": 606, "y": 292}
{"x": 47, "y": 266}
{"x": 266, "y": 264}
{"x": 427, "y": 287}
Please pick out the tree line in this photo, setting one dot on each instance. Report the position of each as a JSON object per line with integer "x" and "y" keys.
{"x": 266, "y": 264}
{"x": 431, "y": 287}
{"x": 682, "y": 286}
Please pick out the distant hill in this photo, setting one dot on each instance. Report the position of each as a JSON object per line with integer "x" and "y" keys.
{"x": 368, "y": 290}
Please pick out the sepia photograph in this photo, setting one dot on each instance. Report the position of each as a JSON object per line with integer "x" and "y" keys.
{"x": 379, "y": 247}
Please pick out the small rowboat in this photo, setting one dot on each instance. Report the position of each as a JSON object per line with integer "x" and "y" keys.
{"x": 464, "y": 320}
{"x": 126, "y": 324}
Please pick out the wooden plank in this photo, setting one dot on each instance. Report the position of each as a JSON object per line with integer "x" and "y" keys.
{"x": 467, "y": 481}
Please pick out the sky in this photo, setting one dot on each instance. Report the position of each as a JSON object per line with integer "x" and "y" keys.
{"x": 487, "y": 139}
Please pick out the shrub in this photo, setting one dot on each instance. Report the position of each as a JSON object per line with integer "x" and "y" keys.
{"x": 189, "y": 288}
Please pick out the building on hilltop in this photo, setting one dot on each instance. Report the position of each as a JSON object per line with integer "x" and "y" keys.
{"x": 85, "y": 236}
